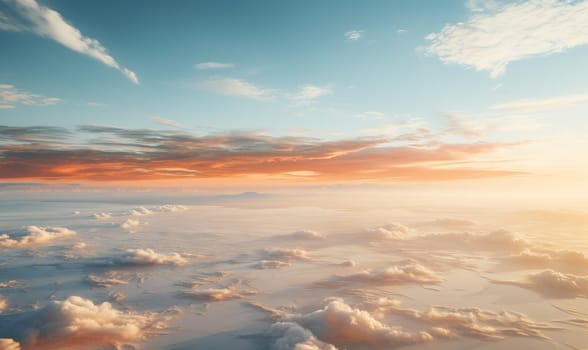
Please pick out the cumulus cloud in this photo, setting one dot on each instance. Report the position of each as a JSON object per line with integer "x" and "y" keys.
{"x": 151, "y": 257}
{"x": 238, "y": 87}
{"x": 285, "y": 255}
{"x": 391, "y": 231}
{"x": 10, "y": 284}
{"x": 291, "y": 336}
{"x": 559, "y": 260}
{"x": 213, "y": 65}
{"x": 36, "y": 235}
{"x": 344, "y": 326}
{"x": 76, "y": 323}
{"x": 102, "y": 216}
{"x": 131, "y": 225}
{"x": 11, "y": 96}
{"x": 140, "y": 211}
{"x": 354, "y": 35}
{"x": 499, "y": 241}
{"x": 304, "y": 235}
{"x": 395, "y": 275}
{"x": 495, "y": 36}
{"x": 309, "y": 94}
{"x": 553, "y": 284}
{"x": 270, "y": 264}
{"x": 32, "y": 17}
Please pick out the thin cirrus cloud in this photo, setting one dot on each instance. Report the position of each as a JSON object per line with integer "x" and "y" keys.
{"x": 10, "y": 96}
{"x": 213, "y": 65}
{"x": 30, "y": 16}
{"x": 111, "y": 153}
{"x": 309, "y": 94}
{"x": 238, "y": 87}
{"x": 549, "y": 27}
{"x": 354, "y": 35}
{"x": 536, "y": 105}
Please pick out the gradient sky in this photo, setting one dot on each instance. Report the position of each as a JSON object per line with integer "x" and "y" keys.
{"x": 319, "y": 90}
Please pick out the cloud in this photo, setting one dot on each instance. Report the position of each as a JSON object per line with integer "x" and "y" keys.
{"x": 77, "y": 322}
{"x": 482, "y": 125}
{"x": 102, "y": 216}
{"x": 291, "y": 336}
{"x": 217, "y": 294}
{"x": 288, "y": 254}
{"x": 499, "y": 241}
{"x": 111, "y": 153}
{"x": 535, "y": 105}
{"x": 309, "y": 94}
{"x": 238, "y": 87}
{"x": 10, "y": 284}
{"x": 36, "y": 235}
{"x": 150, "y": 257}
{"x": 3, "y": 304}
{"x": 131, "y": 225}
{"x": 395, "y": 275}
{"x": 167, "y": 122}
{"x": 495, "y": 36}
{"x": 354, "y": 35}
{"x": 270, "y": 264}
{"x": 107, "y": 281}
{"x": 9, "y": 344}
{"x": 11, "y": 96}
{"x": 344, "y": 326}
{"x": 48, "y": 23}
{"x": 304, "y": 235}
{"x": 213, "y": 65}
{"x": 559, "y": 260}
{"x": 553, "y": 284}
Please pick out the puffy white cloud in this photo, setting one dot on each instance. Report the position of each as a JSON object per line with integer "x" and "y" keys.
{"x": 131, "y": 225}
{"x": 140, "y": 211}
{"x": 102, "y": 216}
{"x": 497, "y": 35}
{"x": 344, "y": 326}
{"x": 238, "y": 87}
{"x": 560, "y": 260}
{"x": 9, "y": 284}
{"x": 386, "y": 232}
{"x": 151, "y": 257}
{"x": 304, "y": 234}
{"x": 172, "y": 208}
{"x": 500, "y": 240}
{"x": 354, "y": 35}
{"x": 78, "y": 323}
{"x": 48, "y": 23}
{"x": 291, "y": 336}
{"x": 285, "y": 255}
{"x": 36, "y": 235}
{"x": 553, "y": 284}
{"x": 401, "y": 274}
{"x": 213, "y": 65}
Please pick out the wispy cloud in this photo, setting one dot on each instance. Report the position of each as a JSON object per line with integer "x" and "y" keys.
{"x": 111, "y": 153}
{"x": 495, "y": 35}
{"x": 354, "y": 35}
{"x": 11, "y": 96}
{"x": 535, "y": 105}
{"x": 477, "y": 126}
{"x": 309, "y": 93}
{"x": 213, "y": 65}
{"x": 166, "y": 122}
{"x": 30, "y": 16}
{"x": 238, "y": 87}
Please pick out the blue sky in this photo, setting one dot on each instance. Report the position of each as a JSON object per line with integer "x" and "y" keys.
{"x": 328, "y": 69}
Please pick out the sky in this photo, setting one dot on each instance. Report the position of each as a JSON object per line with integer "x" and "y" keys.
{"x": 290, "y": 92}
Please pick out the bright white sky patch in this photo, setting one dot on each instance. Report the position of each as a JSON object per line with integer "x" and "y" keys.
{"x": 497, "y": 35}
{"x": 48, "y": 23}
{"x": 534, "y": 105}
{"x": 309, "y": 93}
{"x": 10, "y": 96}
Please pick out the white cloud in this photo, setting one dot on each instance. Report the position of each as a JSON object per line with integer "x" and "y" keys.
{"x": 48, "y": 23}
{"x": 395, "y": 275}
{"x": 482, "y": 125}
{"x": 270, "y": 264}
{"x": 36, "y": 235}
{"x": 308, "y": 94}
{"x": 496, "y": 35}
{"x": 102, "y": 216}
{"x": 131, "y": 225}
{"x": 11, "y": 96}
{"x": 238, "y": 87}
{"x": 285, "y": 254}
{"x": 213, "y": 65}
{"x": 77, "y": 322}
{"x": 106, "y": 281}
{"x": 217, "y": 294}
{"x": 354, "y": 35}
{"x": 151, "y": 257}
{"x": 534, "y": 105}
{"x": 291, "y": 336}
{"x": 553, "y": 284}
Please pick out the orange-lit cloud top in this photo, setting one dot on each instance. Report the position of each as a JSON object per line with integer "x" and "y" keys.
{"x": 100, "y": 153}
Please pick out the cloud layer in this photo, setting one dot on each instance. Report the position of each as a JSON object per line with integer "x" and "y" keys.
{"x": 35, "y": 235}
